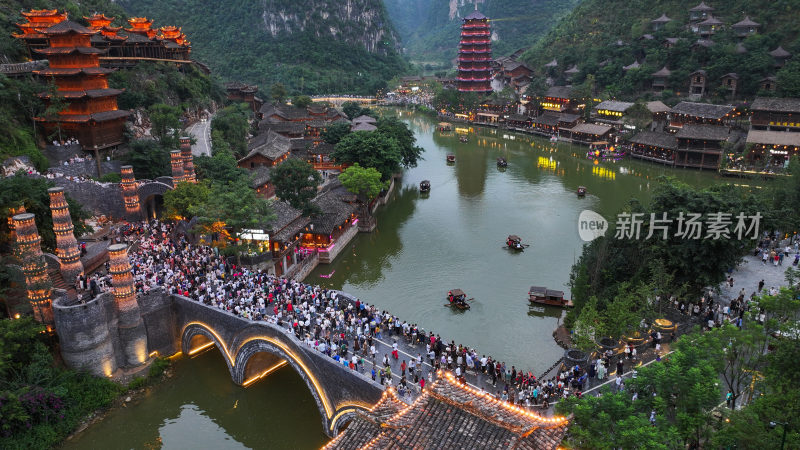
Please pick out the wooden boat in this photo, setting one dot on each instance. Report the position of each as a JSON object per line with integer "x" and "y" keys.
{"x": 451, "y": 158}
{"x": 463, "y": 139}
{"x": 424, "y": 186}
{"x": 543, "y": 296}
{"x": 553, "y": 139}
{"x": 514, "y": 242}
{"x": 501, "y": 162}
{"x": 601, "y": 150}
{"x": 458, "y": 299}
{"x": 581, "y": 191}
{"x": 445, "y": 126}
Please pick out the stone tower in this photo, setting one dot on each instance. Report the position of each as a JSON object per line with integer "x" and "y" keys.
{"x": 176, "y": 161}
{"x": 39, "y": 288}
{"x": 132, "y": 336}
{"x": 188, "y": 162}
{"x": 69, "y": 255}
{"x": 130, "y": 193}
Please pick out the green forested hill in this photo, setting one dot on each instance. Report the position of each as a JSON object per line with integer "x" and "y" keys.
{"x": 602, "y": 36}
{"x": 311, "y": 46}
{"x": 429, "y": 29}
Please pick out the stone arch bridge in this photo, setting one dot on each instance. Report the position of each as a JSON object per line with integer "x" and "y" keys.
{"x": 252, "y": 350}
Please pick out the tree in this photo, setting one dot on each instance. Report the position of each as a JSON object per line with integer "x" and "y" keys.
{"x": 56, "y": 103}
{"x": 587, "y": 327}
{"x": 334, "y": 132}
{"x": 370, "y": 149}
{"x": 165, "y": 124}
{"x": 639, "y": 116}
{"x": 365, "y": 182}
{"x": 788, "y": 79}
{"x": 278, "y": 92}
{"x": 392, "y": 127}
{"x": 186, "y": 200}
{"x": 352, "y": 109}
{"x": 296, "y": 182}
{"x": 301, "y": 101}
{"x": 236, "y": 205}
{"x": 230, "y": 128}
{"x": 219, "y": 168}
{"x": 149, "y": 159}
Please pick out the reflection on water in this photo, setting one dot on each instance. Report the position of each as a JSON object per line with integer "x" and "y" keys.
{"x": 201, "y": 408}
{"x": 454, "y": 236}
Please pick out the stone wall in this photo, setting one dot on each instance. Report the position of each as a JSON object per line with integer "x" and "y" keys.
{"x": 86, "y": 168}
{"x": 57, "y": 154}
{"x": 99, "y": 199}
{"x": 159, "y": 322}
{"x": 86, "y": 333}
{"x": 301, "y": 270}
{"x": 329, "y": 256}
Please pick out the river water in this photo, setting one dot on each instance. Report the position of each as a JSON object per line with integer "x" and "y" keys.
{"x": 423, "y": 246}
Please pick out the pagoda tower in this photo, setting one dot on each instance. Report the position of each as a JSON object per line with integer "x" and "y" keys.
{"x": 475, "y": 55}
{"x": 34, "y": 267}
{"x": 188, "y": 160}
{"x": 90, "y": 113}
{"x": 130, "y": 194}
{"x": 131, "y": 327}
{"x": 141, "y": 26}
{"x": 176, "y": 161}
{"x": 69, "y": 255}
{"x": 37, "y": 21}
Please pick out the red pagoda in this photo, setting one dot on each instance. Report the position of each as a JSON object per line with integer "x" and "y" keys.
{"x": 475, "y": 55}
{"x": 38, "y": 20}
{"x": 90, "y": 114}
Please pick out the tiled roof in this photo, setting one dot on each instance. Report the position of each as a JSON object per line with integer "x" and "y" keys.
{"x": 702, "y": 110}
{"x": 787, "y": 138}
{"x": 591, "y": 128}
{"x": 450, "y": 416}
{"x": 270, "y": 145}
{"x": 559, "y": 92}
{"x": 791, "y": 105}
{"x": 613, "y": 105}
{"x": 334, "y": 210}
{"x": 657, "y": 107}
{"x": 705, "y": 132}
{"x": 655, "y": 139}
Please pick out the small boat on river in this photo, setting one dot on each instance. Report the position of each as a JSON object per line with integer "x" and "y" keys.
{"x": 451, "y": 158}
{"x": 463, "y": 139}
{"x": 458, "y": 299}
{"x": 501, "y": 162}
{"x": 514, "y": 242}
{"x": 543, "y": 296}
{"x": 601, "y": 150}
{"x": 425, "y": 186}
{"x": 553, "y": 139}
{"x": 581, "y": 191}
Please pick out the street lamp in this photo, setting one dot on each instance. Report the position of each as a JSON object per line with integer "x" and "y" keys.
{"x": 785, "y": 425}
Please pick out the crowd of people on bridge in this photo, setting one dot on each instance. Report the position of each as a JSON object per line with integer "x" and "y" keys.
{"x": 355, "y": 334}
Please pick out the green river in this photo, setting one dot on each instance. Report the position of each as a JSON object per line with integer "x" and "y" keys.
{"x": 423, "y": 247}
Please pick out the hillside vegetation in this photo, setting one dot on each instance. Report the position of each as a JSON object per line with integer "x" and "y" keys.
{"x": 603, "y": 36}
{"x": 310, "y": 46}
{"x": 429, "y": 29}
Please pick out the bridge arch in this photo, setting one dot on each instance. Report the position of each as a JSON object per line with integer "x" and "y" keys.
{"x": 151, "y": 197}
{"x": 196, "y": 329}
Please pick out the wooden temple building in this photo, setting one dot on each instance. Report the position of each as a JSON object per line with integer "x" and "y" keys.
{"x": 700, "y": 113}
{"x": 700, "y": 146}
{"x": 449, "y": 414}
{"x": 90, "y": 114}
{"x": 244, "y": 93}
{"x": 475, "y": 55}
{"x": 123, "y": 47}
{"x": 774, "y": 129}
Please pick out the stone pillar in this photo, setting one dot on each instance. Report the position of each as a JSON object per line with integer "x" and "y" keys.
{"x": 176, "y": 161}
{"x": 129, "y": 194}
{"x": 83, "y": 334}
{"x": 132, "y": 336}
{"x": 188, "y": 163}
{"x": 39, "y": 287}
{"x": 69, "y": 255}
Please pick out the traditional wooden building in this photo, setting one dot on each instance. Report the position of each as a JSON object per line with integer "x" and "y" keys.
{"x": 772, "y": 148}
{"x": 262, "y": 182}
{"x": 286, "y": 231}
{"x": 768, "y": 84}
{"x": 654, "y": 146}
{"x": 697, "y": 82}
{"x": 292, "y": 130}
{"x": 670, "y": 42}
{"x": 658, "y": 24}
{"x": 775, "y": 114}
{"x": 475, "y": 55}
{"x": 700, "y": 146}
{"x": 730, "y": 81}
{"x": 709, "y": 26}
{"x": 545, "y": 124}
{"x": 780, "y": 56}
{"x": 244, "y": 93}
{"x": 660, "y": 79}
{"x": 700, "y": 113}
{"x": 31, "y": 31}
{"x": 700, "y": 12}
{"x": 571, "y": 72}
{"x": 611, "y": 111}
{"x": 586, "y": 133}
{"x": 745, "y": 27}
{"x": 337, "y": 220}
{"x": 450, "y": 414}
{"x": 266, "y": 150}
{"x": 559, "y": 99}
{"x": 91, "y": 114}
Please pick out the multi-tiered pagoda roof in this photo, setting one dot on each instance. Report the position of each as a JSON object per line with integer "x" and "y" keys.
{"x": 475, "y": 54}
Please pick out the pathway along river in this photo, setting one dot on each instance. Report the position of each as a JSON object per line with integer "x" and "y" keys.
{"x": 423, "y": 247}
